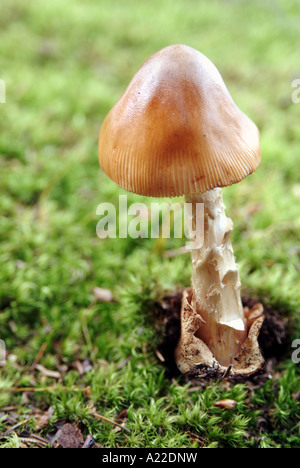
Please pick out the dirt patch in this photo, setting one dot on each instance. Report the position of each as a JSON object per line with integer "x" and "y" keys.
{"x": 168, "y": 319}
{"x": 273, "y": 338}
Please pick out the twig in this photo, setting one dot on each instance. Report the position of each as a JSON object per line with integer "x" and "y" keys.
{"x": 39, "y": 356}
{"x": 103, "y": 418}
{"x": 32, "y": 440}
{"x": 227, "y": 372}
{"x": 47, "y": 372}
{"x": 89, "y": 442}
{"x": 87, "y": 337}
{"x": 13, "y": 428}
{"x": 175, "y": 252}
{"x": 39, "y": 438}
{"x": 160, "y": 356}
{"x": 197, "y": 437}
{"x": 45, "y": 389}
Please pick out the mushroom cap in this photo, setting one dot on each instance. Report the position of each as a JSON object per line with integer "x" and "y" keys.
{"x": 176, "y": 130}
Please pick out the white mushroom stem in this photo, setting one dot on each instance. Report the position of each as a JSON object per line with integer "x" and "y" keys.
{"x": 215, "y": 281}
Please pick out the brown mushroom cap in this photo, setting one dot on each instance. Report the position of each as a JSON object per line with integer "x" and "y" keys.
{"x": 176, "y": 129}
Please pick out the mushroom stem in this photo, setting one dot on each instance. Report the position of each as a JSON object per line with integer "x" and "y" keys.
{"x": 215, "y": 281}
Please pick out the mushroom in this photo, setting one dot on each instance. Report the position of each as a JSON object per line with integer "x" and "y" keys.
{"x": 177, "y": 131}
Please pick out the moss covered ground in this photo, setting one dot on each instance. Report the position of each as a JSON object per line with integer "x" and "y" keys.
{"x": 65, "y": 64}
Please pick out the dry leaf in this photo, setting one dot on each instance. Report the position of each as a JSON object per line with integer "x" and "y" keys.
{"x": 103, "y": 295}
{"x": 68, "y": 437}
{"x": 42, "y": 420}
{"x": 226, "y": 404}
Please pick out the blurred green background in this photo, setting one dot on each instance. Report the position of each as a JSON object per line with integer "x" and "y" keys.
{"x": 65, "y": 64}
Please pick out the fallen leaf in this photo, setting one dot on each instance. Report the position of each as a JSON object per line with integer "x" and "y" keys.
{"x": 103, "y": 295}
{"x": 42, "y": 420}
{"x": 68, "y": 437}
{"x": 226, "y": 404}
